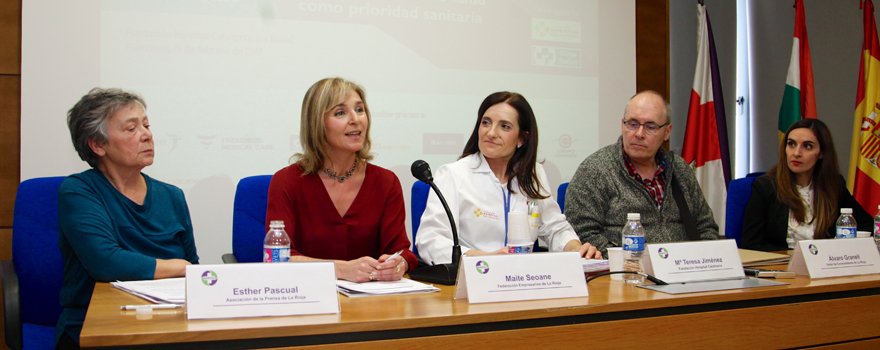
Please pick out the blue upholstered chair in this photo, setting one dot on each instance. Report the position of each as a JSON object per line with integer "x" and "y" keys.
{"x": 560, "y": 195}
{"x": 32, "y": 279}
{"x": 738, "y": 193}
{"x": 249, "y": 220}
{"x": 417, "y": 202}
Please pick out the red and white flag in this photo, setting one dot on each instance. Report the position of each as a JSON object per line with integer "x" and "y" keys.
{"x": 705, "y": 139}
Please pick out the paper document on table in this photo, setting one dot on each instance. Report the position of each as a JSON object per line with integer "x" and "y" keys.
{"x": 594, "y": 265}
{"x": 169, "y": 290}
{"x": 404, "y": 286}
{"x": 758, "y": 258}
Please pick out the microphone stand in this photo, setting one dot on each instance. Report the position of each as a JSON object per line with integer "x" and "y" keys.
{"x": 441, "y": 273}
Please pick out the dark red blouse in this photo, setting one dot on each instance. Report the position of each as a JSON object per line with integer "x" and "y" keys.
{"x": 372, "y": 226}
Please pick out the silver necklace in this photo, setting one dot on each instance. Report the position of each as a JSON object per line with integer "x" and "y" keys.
{"x": 332, "y": 174}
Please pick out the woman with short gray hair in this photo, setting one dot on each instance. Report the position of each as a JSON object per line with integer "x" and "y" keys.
{"x": 115, "y": 223}
{"x": 88, "y": 118}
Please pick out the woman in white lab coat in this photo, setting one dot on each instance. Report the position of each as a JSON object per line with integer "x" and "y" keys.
{"x": 497, "y": 174}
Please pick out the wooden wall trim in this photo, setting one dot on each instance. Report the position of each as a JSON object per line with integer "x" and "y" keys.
{"x": 10, "y": 111}
{"x": 10, "y": 37}
{"x": 10, "y": 126}
{"x": 652, "y": 46}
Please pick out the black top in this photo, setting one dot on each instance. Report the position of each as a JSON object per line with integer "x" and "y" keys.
{"x": 765, "y": 219}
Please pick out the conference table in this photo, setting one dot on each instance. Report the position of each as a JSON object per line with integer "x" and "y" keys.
{"x": 831, "y": 313}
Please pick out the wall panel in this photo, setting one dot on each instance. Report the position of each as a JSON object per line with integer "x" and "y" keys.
{"x": 652, "y": 46}
{"x": 10, "y": 37}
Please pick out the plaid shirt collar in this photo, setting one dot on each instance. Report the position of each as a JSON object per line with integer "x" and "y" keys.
{"x": 657, "y": 186}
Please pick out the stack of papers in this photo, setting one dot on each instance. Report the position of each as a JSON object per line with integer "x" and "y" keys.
{"x": 595, "y": 265}
{"x": 756, "y": 258}
{"x": 404, "y": 286}
{"x": 164, "y": 291}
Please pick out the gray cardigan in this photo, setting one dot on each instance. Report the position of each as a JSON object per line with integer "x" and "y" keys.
{"x": 601, "y": 193}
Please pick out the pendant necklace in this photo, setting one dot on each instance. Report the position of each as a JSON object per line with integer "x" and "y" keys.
{"x": 332, "y": 174}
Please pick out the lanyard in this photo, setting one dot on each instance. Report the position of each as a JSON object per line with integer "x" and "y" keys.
{"x": 506, "y": 211}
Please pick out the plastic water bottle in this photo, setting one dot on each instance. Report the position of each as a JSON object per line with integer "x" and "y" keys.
{"x": 276, "y": 246}
{"x": 846, "y": 224}
{"x": 519, "y": 233}
{"x": 633, "y": 248}
{"x": 877, "y": 228}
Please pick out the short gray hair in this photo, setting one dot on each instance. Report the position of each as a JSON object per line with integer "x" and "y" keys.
{"x": 87, "y": 120}
{"x": 667, "y": 110}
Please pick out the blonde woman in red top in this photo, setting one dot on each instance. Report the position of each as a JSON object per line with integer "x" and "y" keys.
{"x": 334, "y": 204}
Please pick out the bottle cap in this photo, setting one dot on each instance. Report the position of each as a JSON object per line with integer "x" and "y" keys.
{"x": 633, "y": 216}
{"x": 276, "y": 223}
{"x": 846, "y": 210}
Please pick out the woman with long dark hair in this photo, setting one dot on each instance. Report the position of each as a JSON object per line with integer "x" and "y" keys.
{"x": 800, "y": 197}
{"x": 497, "y": 173}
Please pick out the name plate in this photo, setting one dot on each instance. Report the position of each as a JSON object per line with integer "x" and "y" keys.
{"x": 835, "y": 257}
{"x": 694, "y": 261}
{"x": 515, "y": 277}
{"x": 253, "y": 290}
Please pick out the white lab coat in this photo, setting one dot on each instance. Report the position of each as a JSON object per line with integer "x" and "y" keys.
{"x": 476, "y": 200}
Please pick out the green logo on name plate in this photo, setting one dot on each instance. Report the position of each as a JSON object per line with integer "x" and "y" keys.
{"x": 209, "y": 278}
{"x": 663, "y": 253}
{"x": 482, "y": 267}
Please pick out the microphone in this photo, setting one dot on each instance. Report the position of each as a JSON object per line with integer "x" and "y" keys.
{"x": 422, "y": 171}
{"x": 441, "y": 273}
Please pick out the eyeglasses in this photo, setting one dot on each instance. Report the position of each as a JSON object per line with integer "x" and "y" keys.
{"x": 650, "y": 128}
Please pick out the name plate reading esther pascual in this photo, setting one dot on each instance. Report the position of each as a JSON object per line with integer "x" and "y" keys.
{"x": 514, "y": 277}
{"x": 694, "y": 261}
{"x": 835, "y": 257}
{"x": 253, "y": 290}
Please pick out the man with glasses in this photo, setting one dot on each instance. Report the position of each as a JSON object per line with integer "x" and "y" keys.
{"x": 635, "y": 175}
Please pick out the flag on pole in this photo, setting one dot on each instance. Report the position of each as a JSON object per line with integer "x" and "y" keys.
{"x": 705, "y": 138}
{"x": 864, "y": 174}
{"x": 799, "y": 99}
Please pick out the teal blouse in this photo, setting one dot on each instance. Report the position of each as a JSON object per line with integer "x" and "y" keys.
{"x": 104, "y": 236}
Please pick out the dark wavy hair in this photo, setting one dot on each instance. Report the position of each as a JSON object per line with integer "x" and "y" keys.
{"x": 826, "y": 179}
{"x": 522, "y": 164}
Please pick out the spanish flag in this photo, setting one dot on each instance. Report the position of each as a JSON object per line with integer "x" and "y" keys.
{"x": 799, "y": 99}
{"x": 864, "y": 174}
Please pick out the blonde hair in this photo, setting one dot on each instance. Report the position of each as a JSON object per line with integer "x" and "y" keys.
{"x": 320, "y": 99}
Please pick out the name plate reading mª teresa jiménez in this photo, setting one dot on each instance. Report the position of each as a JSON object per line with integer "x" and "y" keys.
{"x": 253, "y": 290}
{"x": 514, "y": 277}
{"x": 693, "y": 261}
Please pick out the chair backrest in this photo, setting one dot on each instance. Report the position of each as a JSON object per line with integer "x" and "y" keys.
{"x": 35, "y": 253}
{"x": 560, "y": 195}
{"x": 417, "y": 202}
{"x": 738, "y": 193}
{"x": 249, "y": 218}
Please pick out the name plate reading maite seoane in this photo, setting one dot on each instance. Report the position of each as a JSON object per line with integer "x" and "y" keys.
{"x": 259, "y": 289}
{"x": 835, "y": 257}
{"x": 694, "y": 261}
{"x": 515, "y": 277}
